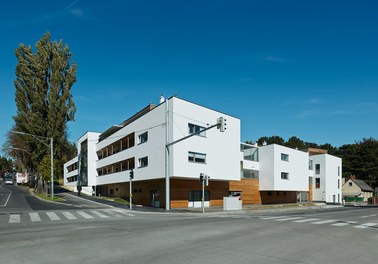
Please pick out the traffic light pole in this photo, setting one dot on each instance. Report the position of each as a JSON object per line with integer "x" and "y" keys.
{"x": 131, "y": 189}
{"x": 203, "y": 194}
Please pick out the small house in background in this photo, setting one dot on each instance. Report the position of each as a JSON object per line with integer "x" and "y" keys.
{"x": 356, "y": 190}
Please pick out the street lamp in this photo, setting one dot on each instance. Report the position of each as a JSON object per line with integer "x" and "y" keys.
{"x": 51, "y": 154}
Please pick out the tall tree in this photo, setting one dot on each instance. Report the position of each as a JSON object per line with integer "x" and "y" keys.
{"x": 44, "y": 79}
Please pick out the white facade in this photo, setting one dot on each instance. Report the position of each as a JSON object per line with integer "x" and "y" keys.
{"x": 283, "y": 169}
{"x": 221, "y": 150}
{"x": 70, "y": 172}
{"x": 327, "y": 178}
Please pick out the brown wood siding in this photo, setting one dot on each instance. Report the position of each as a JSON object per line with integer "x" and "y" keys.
{"x": 310, "y": 192}
{"x": 249, "y": 188}
{"x": 275, "y": 197}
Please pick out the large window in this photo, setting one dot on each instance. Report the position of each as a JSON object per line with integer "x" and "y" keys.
{"x": 284, "y": 157}
{"x": 310, "y": 164}
{"x": 196, "y": 129}
{"x": 196, "y": 196}
{"x": 142, "y": 138}
{"x": 196, "y": 157}
{"x": 317, "y": 183}
{"x": 284, "y": 175}
{"x": 143, "y": 162}
{"x": 317, "y": 168}
{"x": 250, "y": 152}
{"x": 250, "y": 174}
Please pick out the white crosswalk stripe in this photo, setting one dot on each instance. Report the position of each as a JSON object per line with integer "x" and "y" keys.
{"x": 34, "y": 217}
{"x": 306, "y": 220}
{"x": 53, "y": 216}
{"x": 288, "y": 219}
{"x": 323, "y": 222}
{"x": 85, "y": 215}
{"x": 344, "y": 223}
{"x": 123, "y": 212}
{"x": 99, "y": 214}
{"x": 366, "y": 225}
{"x": 69, "y": 216}
{"x": 14, "y": 218}
{"x": 273, "y": 217}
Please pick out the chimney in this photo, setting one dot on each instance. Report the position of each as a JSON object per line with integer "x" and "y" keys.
{"x": 162, "y": 99}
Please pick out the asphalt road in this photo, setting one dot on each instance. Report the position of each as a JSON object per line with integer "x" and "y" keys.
{"x": 17, "y": 198}
{"x": 318, "y": 236}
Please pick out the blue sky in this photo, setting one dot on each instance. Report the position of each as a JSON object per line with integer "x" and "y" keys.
{"x": 284, "y": 67}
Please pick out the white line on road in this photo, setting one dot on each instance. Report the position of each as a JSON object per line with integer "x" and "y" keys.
{"x": 288, "y": 219}
{"x": 14, "y": 218}
{"x": 123, "y": 212}
{"x": 344, "y": 223}
{"x": 69, "y": 216}
{"x": 53, "y": 216}
{"x": 306, "y": 220}
{"x": 273, "y": 217}
{"x": 85, "y": 215}
{"x": 34, "y": 217}
{"x": 6, "y": 202}
{"x": 99, "y": 214}
{"x": 366, "y": 225}
{"x": 323, "y": 222}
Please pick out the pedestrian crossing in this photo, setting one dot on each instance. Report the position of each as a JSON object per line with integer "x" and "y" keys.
{"x": 56, "y": 216}
{"x": 372, "y": 224}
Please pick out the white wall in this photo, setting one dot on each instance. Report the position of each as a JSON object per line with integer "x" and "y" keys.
{"x": 271, "y": 167}
{"x": 329, "y": 177}
{"x": 222, "y": 149}
{"x": 67, "y": 174}
{"x": 154, "y": 123}
{"x": 92, "y": 138}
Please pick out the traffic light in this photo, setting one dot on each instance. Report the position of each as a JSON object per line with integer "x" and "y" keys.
{"x": 131, "y": 175}
{"x": 201, "y": 177}
{"x": 221, "y": 124}
{"x": 207, "y": 177}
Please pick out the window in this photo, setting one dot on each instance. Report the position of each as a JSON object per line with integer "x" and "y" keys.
{"x": 338, "y": 170}
{"x": 310, "y": 165}
{"x": 338, "y": 184}
{"x": 196, "y": 196}
{"x": 196, "y": 157}
{"x": 143, "y": 162}
{"x": 284, "y": 175}
{"x": 284, "y": 157}
{"x": 250, "y": 174}
{"x": 142, "y": 138}
{"x": 350, "y": 184}
{"x": 196, "y": 129}
{"x": 317, "y": 183}
{"x": 317, "y": 168}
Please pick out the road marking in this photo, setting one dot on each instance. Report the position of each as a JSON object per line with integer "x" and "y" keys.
{"x": 85, "y": 215}
{"x": 365, "y": 216}
{"x": 288, "y": 219}
{"x": 99, "y": 214}
{"x": 323, "y": 222}
{"x": 306, "y": 220}
{"x": 69, "y": 216}
{"x": 112, "y": 213}
{"x": 273, "y": 217}
{"x": 6, "y": 202}
{"x": 53, "y": 216}
{"x": 123, "y": 212}
{"x": 14, "y": 218}
{"x": 366, "y": 225}
{"x": 34, "y": 217}
{"x": 344, "y": 223}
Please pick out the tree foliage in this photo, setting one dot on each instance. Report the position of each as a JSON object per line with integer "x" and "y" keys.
{"x": 43, "y": 83}
{"x": 359, "y": 159}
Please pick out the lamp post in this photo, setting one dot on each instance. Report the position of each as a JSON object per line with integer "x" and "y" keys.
{"x": 51, "y": 154}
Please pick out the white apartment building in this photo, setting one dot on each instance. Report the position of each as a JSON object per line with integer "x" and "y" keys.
{"x": 265, "y": 174}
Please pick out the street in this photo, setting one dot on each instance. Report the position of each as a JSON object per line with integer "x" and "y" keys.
{"x": 115, "y": 235}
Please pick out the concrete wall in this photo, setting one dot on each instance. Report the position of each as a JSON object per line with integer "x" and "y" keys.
{"x": 222, "y": 149}
{"x": 271, "y": 167}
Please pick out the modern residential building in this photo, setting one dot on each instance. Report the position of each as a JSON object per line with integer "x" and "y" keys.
{"x": 169, "y": 145}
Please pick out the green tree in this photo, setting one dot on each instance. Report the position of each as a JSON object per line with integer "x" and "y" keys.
{"x": 44, "y": 79}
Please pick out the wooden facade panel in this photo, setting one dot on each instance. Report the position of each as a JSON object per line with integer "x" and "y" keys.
{"x": 249, "y": 188}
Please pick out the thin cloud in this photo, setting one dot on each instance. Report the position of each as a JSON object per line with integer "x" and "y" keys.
{"x": 314, "y": 101}
{"x": 274, "y": 59}
{"x": 72, "y": 4}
